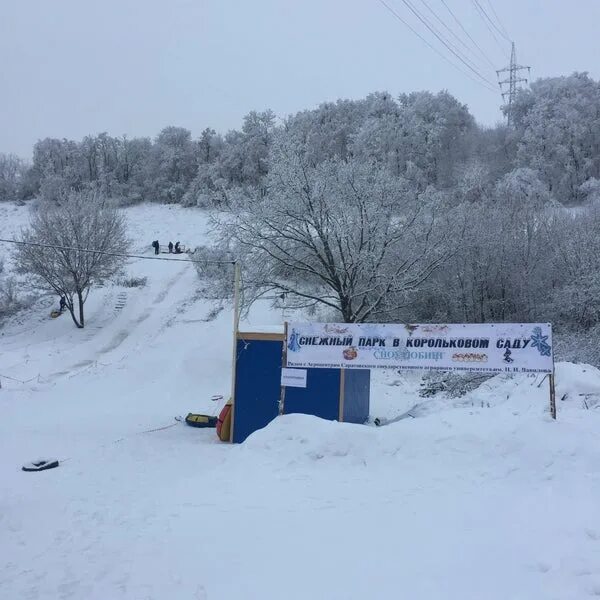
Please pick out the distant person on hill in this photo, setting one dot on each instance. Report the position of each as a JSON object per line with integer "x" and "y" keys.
{"x": 156, "y": 246}
{"x": 63, "y": 304}
{"x": 170, "y": 247}
{"x": 177, "y": 248}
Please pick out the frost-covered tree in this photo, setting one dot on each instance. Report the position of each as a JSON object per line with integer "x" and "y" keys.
{"x": 257, "y": 132}
{"x": 172, "y": 164}
{"x": 495, "y": 148}
{"x": 132, "y": 168}
{"x": 575, "y": 268}
{"x": 12, "y": 169}
{"x": 422, "y": 137}
{"x": 474, "y": 182}
{"x": 58, "y": 166}
{"x": 235, "y": 165}
{"x": 503, "y": 269}
{"x": 327, "y": 132}
{"x": 209, "y": 146}
{"x": 558, "y": 124}
{"x": 341, "y": 234}
{"x": 436, "y": 134}
{"x": 590, "y": 191}
{"x": 51, "y": 252}
{"x": 379, "y": 138}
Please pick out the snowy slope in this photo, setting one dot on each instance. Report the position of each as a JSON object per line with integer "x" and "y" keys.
{"x": 482, "y": 497}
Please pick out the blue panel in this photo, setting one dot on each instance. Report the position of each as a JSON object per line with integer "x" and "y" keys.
{"x": 357, "y": 385}
{"x": 257, "y": 386}
{"x": 320, "y": 397}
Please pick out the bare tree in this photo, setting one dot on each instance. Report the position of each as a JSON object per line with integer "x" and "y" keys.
{"x": 342, "y": 234}
{"x": 83, "y": 221}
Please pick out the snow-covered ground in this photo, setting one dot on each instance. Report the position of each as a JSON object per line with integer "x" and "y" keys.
{"x": 482, "y": 497}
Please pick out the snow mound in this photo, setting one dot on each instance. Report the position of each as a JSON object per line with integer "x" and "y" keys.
{"x": 577, "y": 385}
{"x": 304, "y": 438}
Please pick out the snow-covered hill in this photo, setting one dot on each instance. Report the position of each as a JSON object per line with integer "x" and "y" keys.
{"x": 482, "y": 497}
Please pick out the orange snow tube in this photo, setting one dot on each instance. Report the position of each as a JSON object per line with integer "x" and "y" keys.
{"x": 224, "y": 423}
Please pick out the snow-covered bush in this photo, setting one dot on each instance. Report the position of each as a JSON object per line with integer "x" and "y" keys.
{"x": 216, "y": 271}
{"x": 11, "y": 301}
{"x": 452, "y": 383}
{"x": 133, "y": 282}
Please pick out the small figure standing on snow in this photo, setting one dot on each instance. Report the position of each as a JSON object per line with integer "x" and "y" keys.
{"x": 170, "y": 247}
{"x": 63, "y": 304}
{"x": 177, "y": 249}
{"x": 156, "y": 246}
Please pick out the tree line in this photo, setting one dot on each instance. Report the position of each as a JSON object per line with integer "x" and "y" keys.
{"x": 428, "y": 139}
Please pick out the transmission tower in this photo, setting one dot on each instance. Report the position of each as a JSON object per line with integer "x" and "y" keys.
{"x": 513, "y": 79}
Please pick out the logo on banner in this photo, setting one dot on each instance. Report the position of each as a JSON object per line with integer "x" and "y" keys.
{"x": 469, "y": 357}
{"x": 540, "y": 342}
{"x": 293, "y": 344}
{"x": 350, "y": 353}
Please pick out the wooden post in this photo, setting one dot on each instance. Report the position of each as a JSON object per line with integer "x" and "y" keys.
{"x": 283, "y": 364}
{"x": 552, "y": 395}
{"x": 236, "y": 324}
{"x": 551, "y": 383}
{"x": 236, "y": 295}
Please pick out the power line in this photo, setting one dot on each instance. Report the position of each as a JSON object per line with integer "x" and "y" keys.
{"x": 483, "y": 16}
{"x": 391, "y": 10}
{"x": 468, "y": 34}
{"x": 484, "y": 12}
{"x": 424, "y": 21}
{"x": 498, "y": 20}
{"x": 447, "y": 39}
{"x": 450, "y": 30}
{"x": 120, "y": 254}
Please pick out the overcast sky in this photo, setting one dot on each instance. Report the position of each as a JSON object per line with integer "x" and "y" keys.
{"x": 73, "y": 67}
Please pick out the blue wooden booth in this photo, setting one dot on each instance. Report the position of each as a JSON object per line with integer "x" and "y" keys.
{"x": 334, "y": 394}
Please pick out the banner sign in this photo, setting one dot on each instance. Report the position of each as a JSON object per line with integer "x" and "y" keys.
{"x": 494, "y": 348}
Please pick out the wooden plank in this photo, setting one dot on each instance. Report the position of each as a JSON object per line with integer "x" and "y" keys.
{"x": 236, "y": 323}
{"x": 283, "y": 364}
{"x": 251, "y": 335}
{"x": 342, "y": 394}
{"x": 552, "y": 396}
